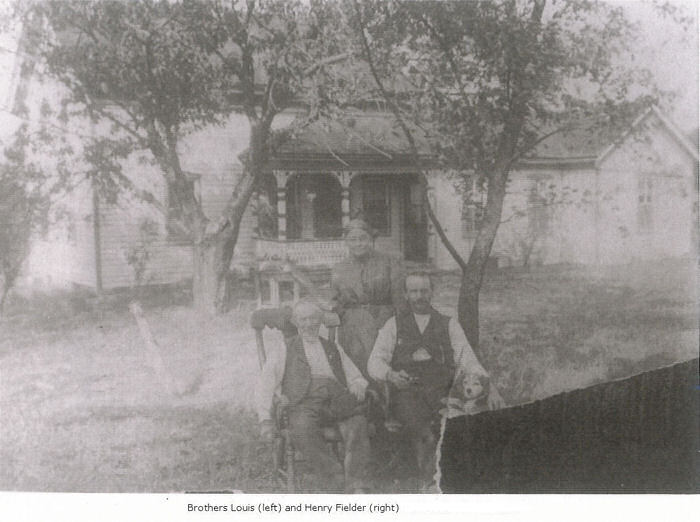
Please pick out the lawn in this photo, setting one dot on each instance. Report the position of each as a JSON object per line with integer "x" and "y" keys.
{"x": 82, "y": 409}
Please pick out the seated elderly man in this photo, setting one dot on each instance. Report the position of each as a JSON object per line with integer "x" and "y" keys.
{"x": 419, "y": 351}
{"x": 321, "y": 386}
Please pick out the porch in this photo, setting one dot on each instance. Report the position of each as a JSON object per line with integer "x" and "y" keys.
{"x": 301, "y": 216}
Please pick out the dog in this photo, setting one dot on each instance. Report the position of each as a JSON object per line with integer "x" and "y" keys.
{"x": 467, "y": 396}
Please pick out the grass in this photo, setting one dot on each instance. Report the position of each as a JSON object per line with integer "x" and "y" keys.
{"x": 82, "y": 410}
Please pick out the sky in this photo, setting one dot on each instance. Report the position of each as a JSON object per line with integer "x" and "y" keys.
{"x": 671, "y": 54}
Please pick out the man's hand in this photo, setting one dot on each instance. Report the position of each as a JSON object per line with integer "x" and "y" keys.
{"x": 359, "y": 390}
{"x": 494, "y": 400}
{"x": 267, "y": 430}
{"x": 401, "y": 379}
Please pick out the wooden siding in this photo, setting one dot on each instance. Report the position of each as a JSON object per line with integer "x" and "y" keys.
{"x": 170, "y": 259}
{"x": 639, "y": 434}
{"x": 83, "y": 269}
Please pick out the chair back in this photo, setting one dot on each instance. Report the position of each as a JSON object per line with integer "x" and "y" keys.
{"x": 281, "y": 319}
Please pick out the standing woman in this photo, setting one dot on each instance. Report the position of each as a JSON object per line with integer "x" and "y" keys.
{"x": 366, "y": 291}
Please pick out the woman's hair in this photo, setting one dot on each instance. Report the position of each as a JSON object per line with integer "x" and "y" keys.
{"x": 359, "y": 224}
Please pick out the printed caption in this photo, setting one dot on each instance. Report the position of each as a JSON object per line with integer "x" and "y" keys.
{"x": 298, "y": 507}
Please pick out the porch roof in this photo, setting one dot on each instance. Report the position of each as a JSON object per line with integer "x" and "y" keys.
{"x": 357, "y": 141}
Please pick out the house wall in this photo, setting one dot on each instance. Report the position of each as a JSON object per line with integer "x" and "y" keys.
{"x": 211, "y": 154}
{"x": 600, "y": 223}
{"x": 567, "y": 206}
{"x": 593, "y": 212}
{"x": 654, "y": 154}
{"x": 57, "y": 257}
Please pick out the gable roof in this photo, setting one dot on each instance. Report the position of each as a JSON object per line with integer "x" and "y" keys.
{"x": 589, "y": 145}
{"x": 674, "y": 132}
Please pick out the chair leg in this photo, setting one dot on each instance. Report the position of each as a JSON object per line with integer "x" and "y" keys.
{"x": 277, "y": 456}
{"x": 289, "y": 456}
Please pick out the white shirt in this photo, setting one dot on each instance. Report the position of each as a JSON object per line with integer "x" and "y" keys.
{"x": 270, "y": 382}
{"x": 379, "y": 363}
{"x": 316, "y": 357}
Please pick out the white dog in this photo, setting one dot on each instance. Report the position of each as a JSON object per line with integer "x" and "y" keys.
{"x": 468, "y": 395}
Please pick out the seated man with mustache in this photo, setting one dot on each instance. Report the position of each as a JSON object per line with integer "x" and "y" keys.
{"x": 418, "y": 352}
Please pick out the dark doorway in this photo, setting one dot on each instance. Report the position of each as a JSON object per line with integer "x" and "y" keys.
{"x": 415, "y": 223}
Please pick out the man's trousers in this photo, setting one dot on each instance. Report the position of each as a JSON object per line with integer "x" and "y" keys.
{"x": 327, "y": 403}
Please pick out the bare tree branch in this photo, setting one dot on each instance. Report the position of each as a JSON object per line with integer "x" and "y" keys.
{"x": 409, "y": 136}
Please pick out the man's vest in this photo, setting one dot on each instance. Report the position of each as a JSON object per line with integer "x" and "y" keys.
{"x": 435, "y": 340}
{"x": 297, "y": 372}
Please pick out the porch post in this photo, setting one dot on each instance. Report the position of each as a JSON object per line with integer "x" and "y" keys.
{"x": 344, "y": 178}
{"x": 430, "y": 193}
{"x": 281, "y": 178}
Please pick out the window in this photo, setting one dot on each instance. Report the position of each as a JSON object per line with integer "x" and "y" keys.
{"x": 538, "y": 219}
{"x": 376, "y": 204}
{"x": 471, "y": 219}
{"x": 645, "y": 218}
{"x": 72, "y": 230}
{"x": 538, "y": 209}
{"x": 473, "y": 209}
{"x": 175, "y": 231}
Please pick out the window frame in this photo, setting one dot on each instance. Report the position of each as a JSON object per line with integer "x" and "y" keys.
{"x": 645, "y": 205}
{"x": 174, "y": 234}
{"x": 473, "y": 207}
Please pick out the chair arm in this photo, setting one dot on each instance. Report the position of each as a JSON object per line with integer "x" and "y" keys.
{"x": 373, "y": 397}
{"x": 278, "y": 318}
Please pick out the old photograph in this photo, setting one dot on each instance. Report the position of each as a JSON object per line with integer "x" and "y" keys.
{"x": 349, "y": 246}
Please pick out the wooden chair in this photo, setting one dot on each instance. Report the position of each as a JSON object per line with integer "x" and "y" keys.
{"x": 284, "y": 456}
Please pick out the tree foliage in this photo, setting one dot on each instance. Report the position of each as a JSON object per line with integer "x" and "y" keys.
{"x": 23, "y": 211}
{"x": 488, "y": 80}
{"x": 157, "y": 71}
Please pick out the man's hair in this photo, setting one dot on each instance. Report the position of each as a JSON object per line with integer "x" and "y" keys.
{"x": 418, "y": 273}
{"x": 306, "y": 302}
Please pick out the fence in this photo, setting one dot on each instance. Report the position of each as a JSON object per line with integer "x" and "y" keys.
{"x": 637, "y": 435}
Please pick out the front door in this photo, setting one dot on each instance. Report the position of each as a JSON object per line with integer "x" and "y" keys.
{"x": 415, "y": 229}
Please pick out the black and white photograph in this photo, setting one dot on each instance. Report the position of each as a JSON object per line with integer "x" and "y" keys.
{"x": 349, "y": 247}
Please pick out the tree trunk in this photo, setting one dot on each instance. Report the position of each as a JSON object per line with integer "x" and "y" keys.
{"x": 205, "y": 280}
{"x": 473, "y": 274}
{"x": 213, "y": 251}
{"x": 528, "y": 250}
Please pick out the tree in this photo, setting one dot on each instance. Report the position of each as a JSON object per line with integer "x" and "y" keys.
{"x": 23, "y": 209}
{"x": 487, "y": 81}
{"x": 157, "y": 71}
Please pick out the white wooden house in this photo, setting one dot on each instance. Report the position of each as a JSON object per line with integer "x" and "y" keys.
{"x": 579, "y": 199}
{"x": 634, "y": 197}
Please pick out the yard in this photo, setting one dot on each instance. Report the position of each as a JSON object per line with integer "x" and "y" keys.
{"x": 82, "y": 409}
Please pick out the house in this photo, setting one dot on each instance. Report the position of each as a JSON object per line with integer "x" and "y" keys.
{"x": 573, "y": 200}
{"x": 634, "y": 198}
{"x": 586, "y": 198}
